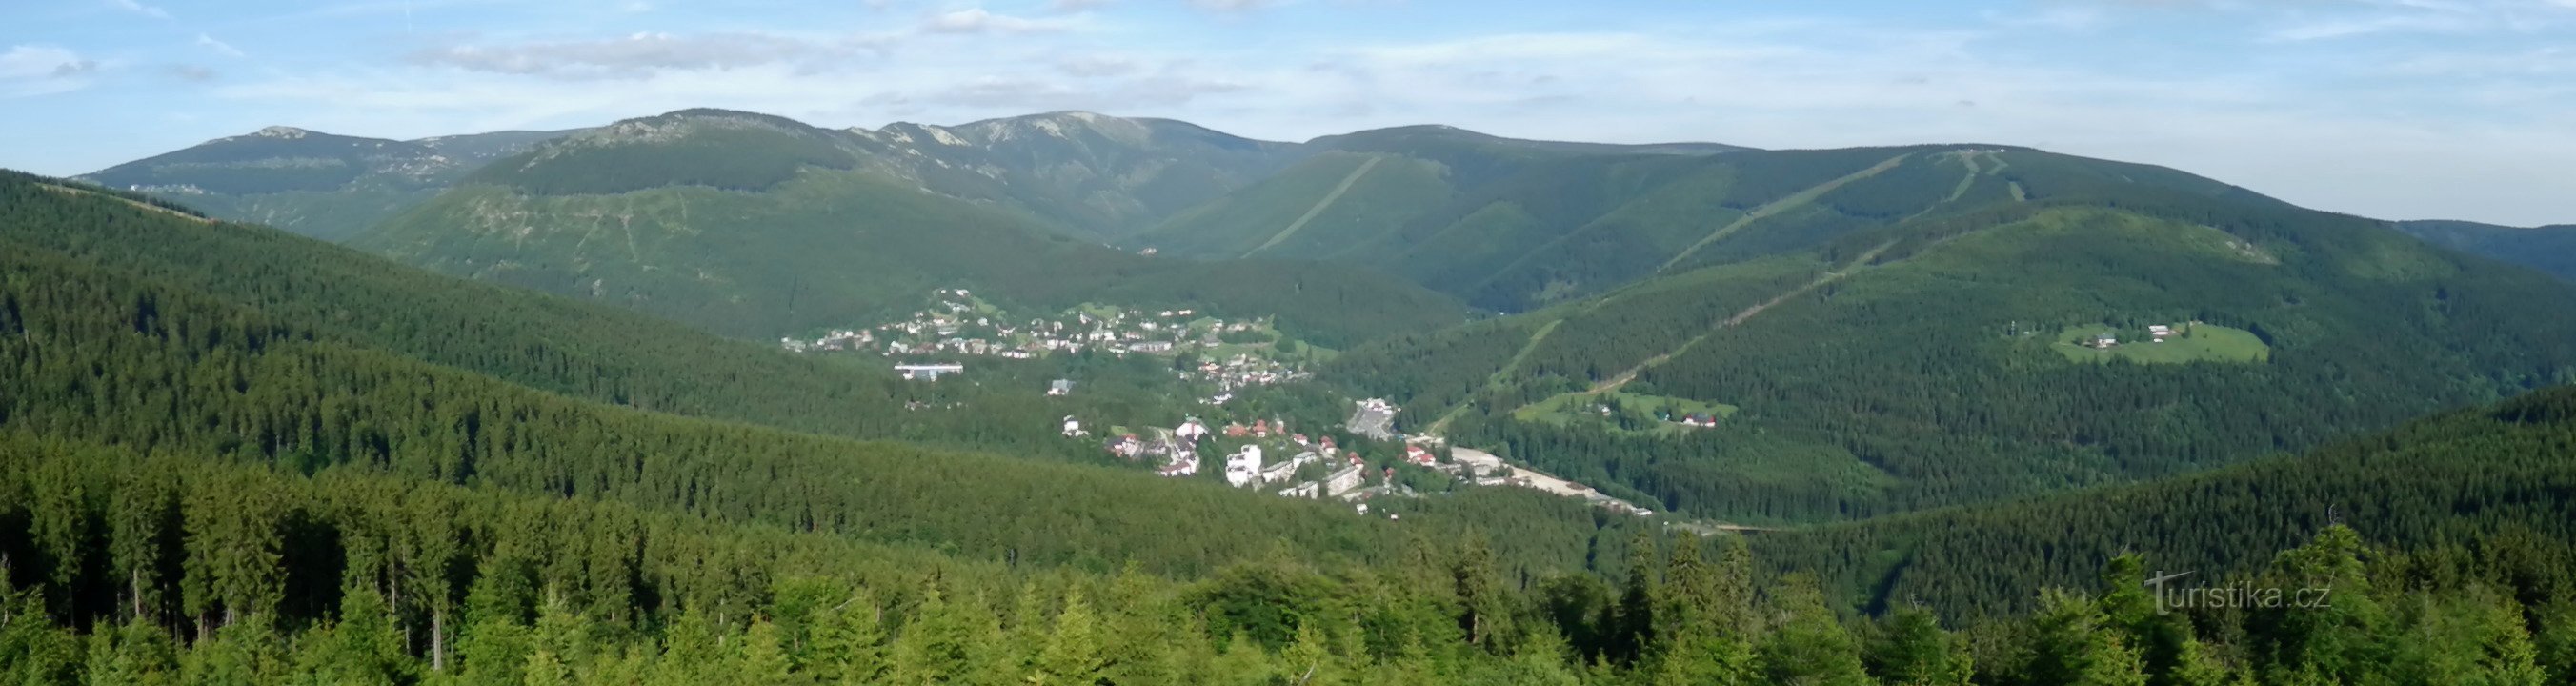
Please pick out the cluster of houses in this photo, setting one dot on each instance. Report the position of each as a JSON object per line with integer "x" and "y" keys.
{"x": 1345, "y": 472}
{"x": 1689, "y": 419}
{"x": 2156, "y": 333}
{"x": 957, "y": 324}
{"x": 1241, "y": 371}
{"x": 1270, "y": 457}
{"x": 1312, "y": 467}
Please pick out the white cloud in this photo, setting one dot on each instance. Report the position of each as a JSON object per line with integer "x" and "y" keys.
{"x": 2363, "y": 26}
{"x": 139, "y": 8}
{"x": 27, "y": 70}
{"x": 976, "y": 20}
{"x": 2353, "y": 18}
{"x": 1233, "y": 5}
{"x": 220, "y": 47}
{"x": 1096, "y": 65}
{"x": 644, "y": 54}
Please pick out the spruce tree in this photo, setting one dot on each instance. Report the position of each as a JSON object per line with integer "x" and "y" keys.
{"x": 1074, "y": 654}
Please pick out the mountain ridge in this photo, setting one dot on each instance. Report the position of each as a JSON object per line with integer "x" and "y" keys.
{"x": 2550, "y": 248}
{"x": 759, "y": 227}
{"x": 1840, "y": 360}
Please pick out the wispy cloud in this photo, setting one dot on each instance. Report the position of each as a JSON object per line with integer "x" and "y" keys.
{"x": 2358, "y": 18}
{"x": 1096, "y": 65}
{"x": 641, "y": 55}
{"x": 220, "y": 47}
{"x": 139, "y": 8}
{"x": 976, "y": 20}
{"x": 1233, "y": 5}
{"x": 191, "y": 72}
{"x": 27, "y": 70}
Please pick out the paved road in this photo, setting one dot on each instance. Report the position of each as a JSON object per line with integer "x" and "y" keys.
{"x": 1537, "y": 479}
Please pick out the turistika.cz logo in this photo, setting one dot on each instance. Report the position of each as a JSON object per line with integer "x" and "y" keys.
{"x": 2172, "y": 596}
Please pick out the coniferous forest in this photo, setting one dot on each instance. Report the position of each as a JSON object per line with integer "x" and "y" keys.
{"x": 231, "y": 456}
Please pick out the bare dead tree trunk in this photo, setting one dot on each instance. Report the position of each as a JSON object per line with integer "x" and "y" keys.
{"x": 438, "y": 640}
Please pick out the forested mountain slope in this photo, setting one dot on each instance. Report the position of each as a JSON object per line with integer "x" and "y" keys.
{"x": 1084, "y": 174}
{"x": 1939, "y": 361}
{"x": 2547, "y": 248}
{"x": 165, "y": 568}
{"x": 1512, "y": 226}
{"x": 553, "y": 344}
{"x": 2476, "y": 484}
{"x": 109, "y": 356}
{"x": 317, "y": 184}
{"x": 240, "y": 486}
{"x": 757, "y": 226}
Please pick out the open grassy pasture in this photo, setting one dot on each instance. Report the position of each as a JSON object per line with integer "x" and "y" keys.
{"x": 2191, "y": 343}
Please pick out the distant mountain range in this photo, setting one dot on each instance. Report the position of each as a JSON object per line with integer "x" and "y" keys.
{"x": 367, "y": 464}
{"x": 1845, "y": 314}
{"x": 759, "y": 226}
{"x": 1081, "y": 173}
{"x": 316, "y": 184}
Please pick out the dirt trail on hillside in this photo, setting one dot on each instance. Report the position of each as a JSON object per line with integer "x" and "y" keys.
{"x": 1327, "y": 201}
{"x": 1497, "y": 377}
{"x": 131, "y": 201}
{"x": 1781, "y": 205}
{"x": 1856, "y": 264}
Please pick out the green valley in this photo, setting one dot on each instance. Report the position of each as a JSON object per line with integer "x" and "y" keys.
{"x": 719, "y": 397}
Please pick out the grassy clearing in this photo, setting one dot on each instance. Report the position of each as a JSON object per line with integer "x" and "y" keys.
{"x": 2191, "y": 343}
{"x": 1568, "y": 408}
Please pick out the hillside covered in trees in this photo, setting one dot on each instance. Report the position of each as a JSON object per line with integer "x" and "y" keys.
{"x": 2547, "y": 248}
{"x": 757, "y": 227}
{"x": 316, "y": 184}
{"x": 155, "y": 558}
{"x": 2020, "y": 392}
{"x": 1932, "y": 362}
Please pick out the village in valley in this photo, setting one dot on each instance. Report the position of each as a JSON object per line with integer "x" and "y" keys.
{"x": 1269, "y": 454}
{"x": 1230, "y": 357}
{"x": 1232, "y": 354}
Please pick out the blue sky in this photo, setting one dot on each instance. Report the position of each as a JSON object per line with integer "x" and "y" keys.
{"x": 2387, "y": 108}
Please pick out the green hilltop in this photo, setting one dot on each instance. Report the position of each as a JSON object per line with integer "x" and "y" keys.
{"x": 316, "y": 184}
{"x": 1925, "y": 355}
{"x": 1512, "y": 226}
{"x": 755, "y": 226}
{"x": 1080, "y": 173}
